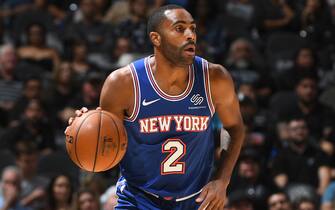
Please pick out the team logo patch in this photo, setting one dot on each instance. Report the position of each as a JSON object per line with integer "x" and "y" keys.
{"x": 196, "y": 99}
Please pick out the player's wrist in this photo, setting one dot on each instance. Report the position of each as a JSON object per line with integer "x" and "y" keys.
{"x": 223, "y": 182}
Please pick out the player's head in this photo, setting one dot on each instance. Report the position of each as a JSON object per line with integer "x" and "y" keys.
{"x": 172, "y": 32}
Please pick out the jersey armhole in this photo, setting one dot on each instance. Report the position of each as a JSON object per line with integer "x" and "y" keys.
{"x": 207, "y": 86}
{"x": 137, "y": 94}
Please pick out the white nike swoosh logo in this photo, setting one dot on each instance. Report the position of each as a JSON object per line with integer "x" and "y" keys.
{"x": 147, "y": 103}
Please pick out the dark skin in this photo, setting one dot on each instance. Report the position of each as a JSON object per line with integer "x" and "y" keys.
{"x": 174, "y": 50}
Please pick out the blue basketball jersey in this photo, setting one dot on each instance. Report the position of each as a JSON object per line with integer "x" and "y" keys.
{"x": 170, "y": 141}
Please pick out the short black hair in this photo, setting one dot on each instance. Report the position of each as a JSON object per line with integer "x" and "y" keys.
{"x": 25, "y": 147}
{"x": 312, "y": 75}
{"x": 157, "y": 17}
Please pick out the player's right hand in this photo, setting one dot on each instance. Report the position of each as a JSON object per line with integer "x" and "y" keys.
{"x": 78, "y": 113}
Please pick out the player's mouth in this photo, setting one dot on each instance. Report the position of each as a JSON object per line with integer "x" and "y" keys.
{"x": 190, "y": 50}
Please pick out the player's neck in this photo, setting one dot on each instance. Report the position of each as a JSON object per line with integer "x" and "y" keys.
{"x": 162, "y": 67}
{"x": 164, "y": 64}
{"x": 170, "y": 78}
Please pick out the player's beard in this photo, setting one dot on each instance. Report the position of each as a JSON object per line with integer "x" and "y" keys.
{"x": 176, "y": 54}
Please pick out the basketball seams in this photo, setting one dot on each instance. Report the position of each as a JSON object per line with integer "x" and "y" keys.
{"x": 83, "y": 152}
{"x": 98, "y": 140}
{"x": 77, "y": 134}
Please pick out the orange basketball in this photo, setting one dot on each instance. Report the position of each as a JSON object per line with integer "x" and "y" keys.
{"x": 96, "y": 141}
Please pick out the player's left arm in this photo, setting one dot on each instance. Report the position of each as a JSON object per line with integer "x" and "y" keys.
{"x": 227, "y": 107}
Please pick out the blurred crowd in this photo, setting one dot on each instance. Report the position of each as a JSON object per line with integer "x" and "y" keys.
{"x": 55, "y": 55}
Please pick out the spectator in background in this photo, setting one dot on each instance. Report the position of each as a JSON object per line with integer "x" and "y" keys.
{"x": 109, "y": 198}
{"x": 10, "y": 86}
{"x": 86, "y": 27}
{"x": 11, "y": 9}
{"x": 57, "y": 96}
{"x": 239, "y": 200}
{"x": 240, "y": 58}
{"x": 33, "y": 186}
{"x": 60, "y": 193}
{"x": 95, "y": 182}
{"x": 36, "y": 52}
{"x": 122, "y": 47}
{"x": 33, "y": 127}
{"x": 134, "y": 27}
{"x": 248, "y": 90}
{"x": 306, "y": 204}
{"x": 32, "y": 89}
{"x": 90, "y": 92}
{"x": 299, "y": 158}
{"x": 248, "y": 108}
{"x": 315, "y": 21}
{"x": 79, "y": 62}
{"x": 243, "y": 9}
{"x": 275, "y": 15}
{"x": 305, "y": 61}
{"x": 62, "y": 88}
{"x": 101, "y": 8}
{"x": 87, "y": 200}
{"x": 279, "y": 201}
{"x": 255, "y": 120}
{"x": 117, "y": 12}
{"x": 11, "y": 189}
{"x": 37, "y": 12}
{"x": 251, "y": 178}
{"x": 243, "y": 63}
{"x": 303, "y": 103}
{"x": 211, "y": 40}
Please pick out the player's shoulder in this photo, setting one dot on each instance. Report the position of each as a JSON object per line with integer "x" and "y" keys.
{"x": 117, "y": 91}
{"x": 121, "y": 77}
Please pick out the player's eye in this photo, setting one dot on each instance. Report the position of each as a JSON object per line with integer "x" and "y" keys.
{"x": 179, "y": 28}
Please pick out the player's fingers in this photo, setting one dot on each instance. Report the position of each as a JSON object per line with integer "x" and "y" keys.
{"x": 66, "y": 129}
{"x": 214, "y": 201}
{"x": 84, "y": 109}
{"x": 98, "y": 108}
{"x": 202, "y": 195}
{"x": 78, "y": 113}
{"x": 70, "y": 120}
{"x": 219, "y": 205}
{"x": 212, "y": 205}
{"x": 204, "y": 205}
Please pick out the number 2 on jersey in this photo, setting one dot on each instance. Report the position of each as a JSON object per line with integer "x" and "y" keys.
{"x": 171, "y": 164}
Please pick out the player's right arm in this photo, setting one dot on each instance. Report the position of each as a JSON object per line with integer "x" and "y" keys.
{"x": 117, "y": 94}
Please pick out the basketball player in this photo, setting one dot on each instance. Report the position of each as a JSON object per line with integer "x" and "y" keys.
{"x": 167, "y": 101}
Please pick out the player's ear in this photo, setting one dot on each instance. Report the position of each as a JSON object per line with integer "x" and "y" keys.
{"x": 155, "y": 38}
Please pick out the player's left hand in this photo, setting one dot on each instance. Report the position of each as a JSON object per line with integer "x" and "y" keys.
{"x": 213, "y": 196}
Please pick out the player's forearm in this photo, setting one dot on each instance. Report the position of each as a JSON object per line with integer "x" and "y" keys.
{"x": 228, "y": 160}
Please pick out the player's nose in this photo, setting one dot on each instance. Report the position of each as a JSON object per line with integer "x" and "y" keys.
{"x": 190, "y": 34}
